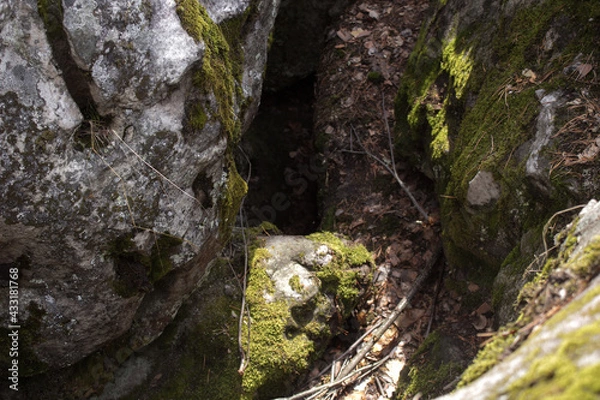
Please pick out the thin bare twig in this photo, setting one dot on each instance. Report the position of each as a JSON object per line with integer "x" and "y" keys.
{"x": 244, "y": 355}
{"x": 146, "y": 163}
{"x": 391, "y": 170}
{"x": 438, "y": 286}
{"x": 388, "y": 131}
{"x": 358, "y": 374}
{"x": 331, "y": 367}
{"x": 541, "y": 259}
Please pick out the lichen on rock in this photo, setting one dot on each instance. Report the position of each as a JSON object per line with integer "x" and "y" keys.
{"x": 483, "y": 110}
{"x": 296, "y": 320}
{"x": 101, "y": 147}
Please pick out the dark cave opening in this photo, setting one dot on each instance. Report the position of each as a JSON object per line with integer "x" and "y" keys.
{"x": 281, "y": 161}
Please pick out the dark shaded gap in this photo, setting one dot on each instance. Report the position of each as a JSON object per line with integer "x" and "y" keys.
{"x": 76, "y": 80}
{"x": 285, "y": 167}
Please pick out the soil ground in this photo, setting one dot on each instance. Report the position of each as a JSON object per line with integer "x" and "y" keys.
{"x": 356, "y": 85}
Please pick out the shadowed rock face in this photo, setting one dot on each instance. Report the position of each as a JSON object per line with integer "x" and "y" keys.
{"x": 114, "y": 196}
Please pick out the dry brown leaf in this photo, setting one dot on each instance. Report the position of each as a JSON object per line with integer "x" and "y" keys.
{"x": 590, "y": 152}
{"x": 480, "y": 323}
{"x": 356, "y": 223}
{"x": 394, "y": 260}
{"x": 529, "y": 74}
{"x": 473, "y": 287}
{"x": 584, "y": 69}
{"x": 359, "y": 33}
{"x": 347, "y": 102}
{"x": 409, "y": 275}
{"x": 484, "y": 308}
{"x": 344, "y": 35}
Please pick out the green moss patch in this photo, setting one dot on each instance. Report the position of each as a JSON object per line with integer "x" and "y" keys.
{"x": 217, "y": 75}
{"x": 220, "y": 75}
{"x": 275, "y": 358}
{"x": 557, "y": 376}
{"x": 201, "y": 347}
{"x": 428, "y": 369}
{"x": 160, "y": 262}
{"x": 209, "y": 364}
{"x": 487, "y": 357}
{"x": 465, "y": 105}
{"x": 230, "y": 201}
{"x": 537, "y": 297}
{"x": 282, "y": 347}
{"x": 137, "y": 271}
{"x": 338, "y": 278}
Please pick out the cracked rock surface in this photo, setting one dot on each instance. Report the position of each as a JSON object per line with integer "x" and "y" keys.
{"x": 113, "y": 202}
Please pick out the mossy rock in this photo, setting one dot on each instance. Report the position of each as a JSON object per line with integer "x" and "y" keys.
{"x": 435, "y": 364}
{"x": 295, "y": 287}
{"x": 467, "y": 103}
{"x": 547, "y": 360}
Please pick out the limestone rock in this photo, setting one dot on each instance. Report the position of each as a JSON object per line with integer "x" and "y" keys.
{"x": 562, "y": 356}
{"x": 537, "y": 167}
{"x": 115, "y": 176}
{"x": 483, "y": 189}
{"x": 220, "y": 10}
{"x": 299, "y": 291}
{"x": 501, "y": 108}
{"x": 291, "y": 287}
{"x": 293, "y": 282}
{"x": 507, "y": 122}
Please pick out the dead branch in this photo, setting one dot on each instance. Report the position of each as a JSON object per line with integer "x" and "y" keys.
{"x": 331, "y": 366}
{"x": 358, "y": 374}
{"x": 394, "y": 315}
{"x": 391, "y": 170}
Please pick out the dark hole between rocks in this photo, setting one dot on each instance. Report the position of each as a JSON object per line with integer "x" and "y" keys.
{"x": 284, "y": 166}
{"x": 202, "y": 186}
{"x": 93, "y": 131}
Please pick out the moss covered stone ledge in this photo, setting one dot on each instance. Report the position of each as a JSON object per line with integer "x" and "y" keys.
{"x": 557, "y": 353}
{"x": 470, "y": 114}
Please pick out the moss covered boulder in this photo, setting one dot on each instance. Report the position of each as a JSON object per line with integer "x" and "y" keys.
{"x": 556, "y": 336}
{"x": 299, "y": 291}
{"x": 497, "y": 106}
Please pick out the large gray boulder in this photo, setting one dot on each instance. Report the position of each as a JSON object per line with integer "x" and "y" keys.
{"x": 117, "y": 122}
